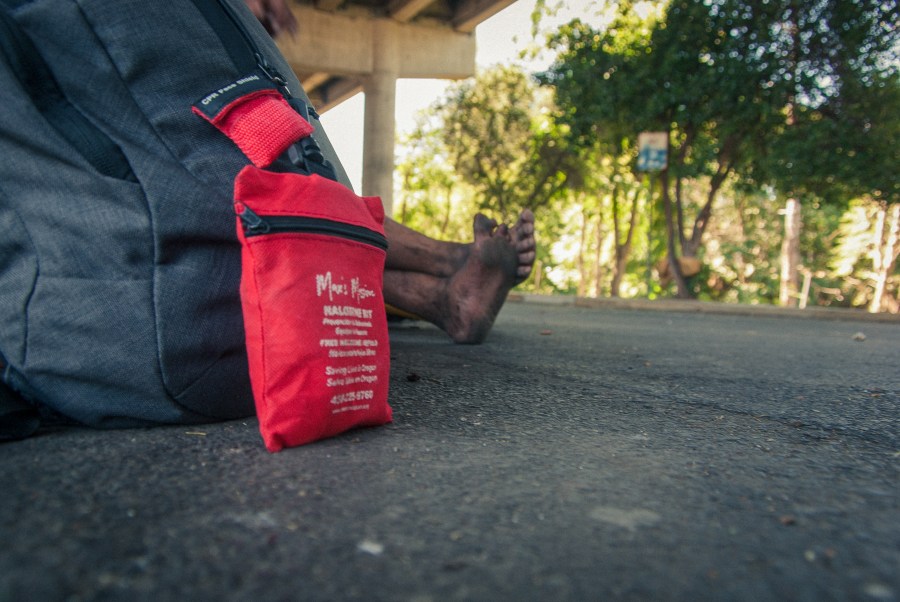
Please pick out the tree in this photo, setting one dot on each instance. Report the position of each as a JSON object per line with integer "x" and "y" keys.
{"x": 429, "y": 187}
{"x": 658, "y": 74}
{"x": 867, "y": 252}
{"x": 755, "y": 87}
{"x": 834, "y": 67}
{"x": 501, "y": 143}
{"x": 489, "y": 145}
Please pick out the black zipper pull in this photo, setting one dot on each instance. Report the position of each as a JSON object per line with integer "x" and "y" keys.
{"x": 253, "y": 224}
{"x": 273, "y": 74}
{"x": 240, "y": 47}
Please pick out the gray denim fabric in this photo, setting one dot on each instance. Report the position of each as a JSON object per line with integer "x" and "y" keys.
{"x": 119, "y": 300}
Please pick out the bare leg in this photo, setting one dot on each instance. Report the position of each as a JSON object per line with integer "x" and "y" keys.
{"x": 458, "y": 287}
{"x": 411, "y": 251}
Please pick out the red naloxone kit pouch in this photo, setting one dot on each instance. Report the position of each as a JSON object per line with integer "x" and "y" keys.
{"x": 311, "y": 289}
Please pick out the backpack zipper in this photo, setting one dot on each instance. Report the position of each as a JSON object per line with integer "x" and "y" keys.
{"x": 308, "y": 157}
{"x": 261, "y": 62}
{"x": 256, "y": 225}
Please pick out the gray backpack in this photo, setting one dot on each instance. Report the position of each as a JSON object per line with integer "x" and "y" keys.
{"x": 119, "y": 262}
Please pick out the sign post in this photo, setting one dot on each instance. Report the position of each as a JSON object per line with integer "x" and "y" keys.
{"x": 653, "y": 150}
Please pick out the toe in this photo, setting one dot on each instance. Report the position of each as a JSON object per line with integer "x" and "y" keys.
{"x": 524, "y": 229}
{"x": 525, "y": 245}
{"x": 483, "y": 226}
{"x": 526, "y": 219}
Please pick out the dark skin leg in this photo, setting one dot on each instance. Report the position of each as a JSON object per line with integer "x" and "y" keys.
{"x": 458, "y": 287}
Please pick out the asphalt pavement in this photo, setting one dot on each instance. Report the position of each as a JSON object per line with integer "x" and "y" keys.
{"x": 582, "y": 453}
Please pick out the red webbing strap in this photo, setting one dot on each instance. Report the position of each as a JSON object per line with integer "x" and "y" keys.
{"x": 261, "y": 123}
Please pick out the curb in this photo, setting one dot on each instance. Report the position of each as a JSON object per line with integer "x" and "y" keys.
{"x": 706, "y": 307}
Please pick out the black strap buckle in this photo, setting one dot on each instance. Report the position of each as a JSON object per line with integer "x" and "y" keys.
{"x": 304, "y": 155}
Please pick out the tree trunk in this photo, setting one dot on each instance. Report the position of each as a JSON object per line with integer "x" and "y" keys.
{"x": 692, "y": 245}
{"x": 790, "y": 255}
{"x": 679, "y": 213}
{"x": 885, "y": 254}
{"x": 598, "y": 252}
{"x": 674, "y": 265}
{"x": 623, "y": 250}
{"x": 538, "y": 271}
{"x": 617, "y": 275}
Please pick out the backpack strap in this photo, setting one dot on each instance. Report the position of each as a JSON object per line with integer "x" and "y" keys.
{"x": 39, "y": 83}
{"x": 303, "y": 156}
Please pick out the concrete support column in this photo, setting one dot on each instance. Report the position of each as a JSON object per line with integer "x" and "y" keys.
{"x": 374, "y": 52}
{"x": 378, "y": 138}
{"x": 380, "y": 88}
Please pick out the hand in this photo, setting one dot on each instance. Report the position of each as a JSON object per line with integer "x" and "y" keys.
{"x": 275, "y": 16}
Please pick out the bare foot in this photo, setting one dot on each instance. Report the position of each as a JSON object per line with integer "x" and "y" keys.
{"x": 458, "y": 287}
{"x": 478, "y": 289}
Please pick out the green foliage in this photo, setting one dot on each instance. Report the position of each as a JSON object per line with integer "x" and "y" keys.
{"x": 809, "y": 86}
{"x": 431, "y": 199}
{"x": 832, "y": 66}
{"x": 490, "y": 145}
{"x": 495, "y": 133}
{"x": 761, "y": 99}
{"x": 853, "y": 256}
{"x": 798, "y": 95}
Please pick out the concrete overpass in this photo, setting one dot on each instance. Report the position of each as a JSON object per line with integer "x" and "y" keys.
{"x": 343, "y": 47}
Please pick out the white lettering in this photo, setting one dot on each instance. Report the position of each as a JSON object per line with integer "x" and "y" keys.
{"x": 359, "y": 292}
{"x": 354, "y": 380}
{"x": 343, "y": 322}
{"x": 347, "y": 370}
{"x": 244, "y": 80}
{"x": 347, "y": 311}
{"x": 350, "y": 408}
{"x": 352, "y": 353}
{"x": 353, "y": 331}
{"x": 351, "y": 396}
{"x": 325, "y": 284}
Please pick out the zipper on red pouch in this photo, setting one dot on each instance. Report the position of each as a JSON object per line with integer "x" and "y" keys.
{"x": 256, "y": 225}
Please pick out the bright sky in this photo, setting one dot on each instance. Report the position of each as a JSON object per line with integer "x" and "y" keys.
{"x": 498, "y": 40}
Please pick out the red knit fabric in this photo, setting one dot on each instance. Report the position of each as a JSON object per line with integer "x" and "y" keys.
{"x": 262, "y": 124}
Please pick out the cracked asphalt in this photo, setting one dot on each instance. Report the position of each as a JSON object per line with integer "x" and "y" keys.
{"x": 581, "y": 453}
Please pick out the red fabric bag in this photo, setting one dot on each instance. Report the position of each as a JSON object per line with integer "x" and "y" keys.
{"x": 312, "y": 268}
{"x": 311, "y": 289}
